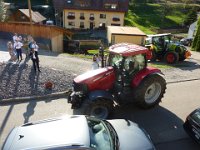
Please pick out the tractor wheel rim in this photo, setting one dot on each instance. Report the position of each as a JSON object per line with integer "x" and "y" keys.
{"x": 152, "y": 93}
{"x": 170, "y": 58}
{"x": 99, "y": 112}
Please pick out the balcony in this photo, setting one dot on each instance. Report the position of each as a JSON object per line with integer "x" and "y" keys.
{"x": 116, "y": 19}
{"x": 91, "y": 18}
{"x": 82, "y": 18}
{"x": 70, "y": 17}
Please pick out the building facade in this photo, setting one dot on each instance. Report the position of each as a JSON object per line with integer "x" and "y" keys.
{"x": 90, "y": 14}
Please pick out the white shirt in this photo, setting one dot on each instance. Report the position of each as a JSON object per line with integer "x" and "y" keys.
{"x": 15, "y": 37}
{"x": 35, "y": 47}
{"x": 18, "y": 45}
{"x": 95, "y": 65}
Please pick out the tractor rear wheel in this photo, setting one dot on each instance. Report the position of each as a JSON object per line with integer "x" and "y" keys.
{"x": 150, "y": 91}
{"x": 99, "y": 108}
{"x": 171, "y": 57}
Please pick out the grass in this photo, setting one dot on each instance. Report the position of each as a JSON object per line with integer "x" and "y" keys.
{"x": 150, "y": 17}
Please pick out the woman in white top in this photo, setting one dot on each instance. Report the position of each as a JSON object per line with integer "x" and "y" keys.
{"x": 18, "y": 47}
{"x": 10, "y": 50}
{"x": 95, "y": 64}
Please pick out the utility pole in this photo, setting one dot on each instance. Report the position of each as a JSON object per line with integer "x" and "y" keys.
{"x": 30, "y": 14}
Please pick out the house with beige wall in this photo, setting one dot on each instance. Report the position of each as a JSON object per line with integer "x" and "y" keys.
{"x": 125, "y": 35}
{"x": 90, "y": 14}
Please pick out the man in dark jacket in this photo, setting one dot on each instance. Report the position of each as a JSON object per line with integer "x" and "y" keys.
{"x": 35, "y": 59}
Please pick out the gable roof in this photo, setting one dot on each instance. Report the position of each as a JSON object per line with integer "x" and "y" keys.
{"x": 36, "y": 16}
{"x": 99, "y": 5}
{"x": 125, "y": 30}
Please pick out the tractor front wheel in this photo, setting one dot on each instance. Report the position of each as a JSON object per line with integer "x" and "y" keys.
{"x": 171, "y": 57}
{"x": 150, "y": 91}
{"x": 99, "y": 108}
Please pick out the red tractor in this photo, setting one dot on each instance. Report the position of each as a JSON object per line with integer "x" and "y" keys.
{"x": 125, "y": 79}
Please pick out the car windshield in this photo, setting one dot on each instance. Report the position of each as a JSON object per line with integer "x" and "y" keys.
{"x": 100, "y": 135}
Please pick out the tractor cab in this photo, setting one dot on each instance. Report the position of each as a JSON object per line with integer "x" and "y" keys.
{"x": 127, "y": 60}
{"x": 159, "y": 41}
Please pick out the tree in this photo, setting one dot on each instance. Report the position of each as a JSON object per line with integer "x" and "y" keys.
{"x": 2, "y": 11}
{"x": 196, "y": 42}
{"x": 191, "y": 16}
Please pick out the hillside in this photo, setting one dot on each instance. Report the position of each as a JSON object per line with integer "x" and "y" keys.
{"x": 150, "y": 17}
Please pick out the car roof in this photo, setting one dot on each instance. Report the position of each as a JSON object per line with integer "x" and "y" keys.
{"x": 66, "y": 131}
{"x": 127, "y": 49}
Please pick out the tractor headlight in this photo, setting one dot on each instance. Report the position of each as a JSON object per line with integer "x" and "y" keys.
{"x": 80, "y": 88}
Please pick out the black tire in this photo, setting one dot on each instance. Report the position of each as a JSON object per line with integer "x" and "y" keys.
{"x": 100, "y": 108}
{"x": 150, "y": 91}
{"x": 171, "y": 57}
{"x": 182, "y": 58}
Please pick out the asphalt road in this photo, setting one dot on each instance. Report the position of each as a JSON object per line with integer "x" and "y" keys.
{"x": 163, "y": 123}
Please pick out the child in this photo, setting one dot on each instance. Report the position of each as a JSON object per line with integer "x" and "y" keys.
{"x": 95, "y": 64}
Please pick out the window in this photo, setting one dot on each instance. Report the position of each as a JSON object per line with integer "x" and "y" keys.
{"x": 71, "y": 15}
{"x": 82, "y": 16}
{"x": 92, "y": 17}
{"x": 113, "y": 6}
{"x": 69, "y": 1}
{"x": 71, "y": 23}
{"x": 103, "y": 16}
{"x": 116, "y": 18}
{"x": 110, "y": 6}
{"x": 81, "y": 24}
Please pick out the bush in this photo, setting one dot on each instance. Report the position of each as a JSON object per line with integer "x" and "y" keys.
{"x": 196, "y": 42}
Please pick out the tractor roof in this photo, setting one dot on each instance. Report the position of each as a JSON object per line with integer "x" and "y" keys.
{"x": 158, "y": 35}
{"x": 127, "y": 49}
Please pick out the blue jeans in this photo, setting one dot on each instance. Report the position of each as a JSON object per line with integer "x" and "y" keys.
{"x": 19, "y": 53}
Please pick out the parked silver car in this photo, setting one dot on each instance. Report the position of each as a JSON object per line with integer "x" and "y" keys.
{"x": 79, "y": 132}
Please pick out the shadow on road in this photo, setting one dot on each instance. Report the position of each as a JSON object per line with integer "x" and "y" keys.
{"x": 183, "y": 65}
{"x": 162, "y": 125}
{"x": 29, "y": 110}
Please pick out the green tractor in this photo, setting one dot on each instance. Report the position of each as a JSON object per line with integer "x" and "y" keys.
{"x": 163, "y": 48}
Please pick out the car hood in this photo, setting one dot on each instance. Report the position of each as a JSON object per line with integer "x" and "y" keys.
{"x": 131, "y": 136}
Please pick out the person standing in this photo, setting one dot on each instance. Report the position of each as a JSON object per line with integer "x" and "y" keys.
{"x": 35, "y": 47}
{"x": 95, "y": 64}
{"x": 18, "y": 47}
{"x": 10, "y": 50}
{"x": 34, "y": 56}
{"x": 15, "y": 37}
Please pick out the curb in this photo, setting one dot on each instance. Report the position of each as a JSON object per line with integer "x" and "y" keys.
{"x": 61, "y": 94}
{"x": 38, "y": 98}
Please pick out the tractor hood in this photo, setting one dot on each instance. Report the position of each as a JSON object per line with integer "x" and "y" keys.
{"x": 99, "y": 79}
{"x": 92, "y": 74}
